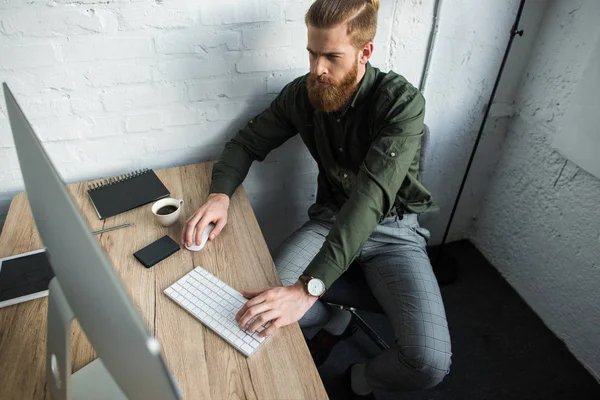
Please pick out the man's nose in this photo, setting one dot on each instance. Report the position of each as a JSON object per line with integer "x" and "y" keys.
{"x": 319, "y": 67}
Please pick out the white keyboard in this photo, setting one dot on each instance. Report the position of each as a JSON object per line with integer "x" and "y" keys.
{"x": 214, "y": 303}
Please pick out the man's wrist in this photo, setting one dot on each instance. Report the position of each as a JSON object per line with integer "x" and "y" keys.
{"x": 221, "y": 197}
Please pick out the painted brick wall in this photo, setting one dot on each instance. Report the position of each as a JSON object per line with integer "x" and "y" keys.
{"x": 115, "y": 85}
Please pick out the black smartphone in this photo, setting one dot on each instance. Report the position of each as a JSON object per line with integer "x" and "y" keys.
{"x": 156, "y": 251}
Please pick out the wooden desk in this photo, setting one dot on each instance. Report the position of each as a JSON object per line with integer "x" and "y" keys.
{"x": 204, "y": 365}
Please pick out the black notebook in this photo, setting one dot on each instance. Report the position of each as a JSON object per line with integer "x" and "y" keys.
{"x": 126, "y": 192}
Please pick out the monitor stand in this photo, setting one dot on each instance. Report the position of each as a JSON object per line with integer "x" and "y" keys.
{"x": 92, "y": 382}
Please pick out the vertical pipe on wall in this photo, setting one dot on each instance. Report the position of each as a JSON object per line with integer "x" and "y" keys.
{"x": 431, "y": 44}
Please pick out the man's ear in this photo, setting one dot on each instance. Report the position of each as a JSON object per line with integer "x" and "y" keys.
{"x": 365, "y": 53}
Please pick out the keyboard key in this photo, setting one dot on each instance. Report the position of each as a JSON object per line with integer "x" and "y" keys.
{"x": 258, "y": 338}
{"x": 247, "y": 348}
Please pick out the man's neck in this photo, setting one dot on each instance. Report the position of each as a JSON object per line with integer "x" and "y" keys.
{"x": 362, "y": 70}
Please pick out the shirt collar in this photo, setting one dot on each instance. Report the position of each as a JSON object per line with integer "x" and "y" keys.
{"x": 363, "y": 90}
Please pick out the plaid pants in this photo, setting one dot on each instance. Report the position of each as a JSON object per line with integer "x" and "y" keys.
{"x": 399, "y": 273}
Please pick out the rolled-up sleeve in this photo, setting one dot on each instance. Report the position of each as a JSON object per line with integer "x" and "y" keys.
{"x": 262, "y": 134}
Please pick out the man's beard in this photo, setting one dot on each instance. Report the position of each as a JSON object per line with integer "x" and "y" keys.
{"x": 333, "y": 96}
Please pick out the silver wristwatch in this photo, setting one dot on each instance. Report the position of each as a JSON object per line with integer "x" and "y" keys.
{"x": 314, "y": 286}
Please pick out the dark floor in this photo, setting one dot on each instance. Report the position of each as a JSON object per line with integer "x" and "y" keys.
{"x": 501, "y": 349}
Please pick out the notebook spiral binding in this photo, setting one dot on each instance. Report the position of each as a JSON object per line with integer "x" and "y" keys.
{"x": 116, "y": 179}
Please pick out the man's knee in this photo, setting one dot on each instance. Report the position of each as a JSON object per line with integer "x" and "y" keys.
{"x": 426, "y": 365}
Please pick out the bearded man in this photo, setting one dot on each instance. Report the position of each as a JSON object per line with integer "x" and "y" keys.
{"x": 363, "y": 127}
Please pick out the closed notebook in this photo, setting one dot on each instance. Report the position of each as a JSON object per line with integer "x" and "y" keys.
{"x": 126, "y": 192}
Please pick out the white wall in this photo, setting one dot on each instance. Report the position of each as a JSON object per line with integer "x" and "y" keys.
{"x": 578, "y": 137}
{"x": 471, "y": 42}
{"x": 540, "y": 221}
{"x": 120, "y": 85}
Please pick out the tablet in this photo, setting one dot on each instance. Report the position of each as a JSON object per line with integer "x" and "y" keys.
{"x": 24, "y": 277}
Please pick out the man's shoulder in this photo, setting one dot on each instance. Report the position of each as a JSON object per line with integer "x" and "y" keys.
{"x": 395, "y": 98}
{"x": 396, "y": 88}
{"x": 297, "y": 87}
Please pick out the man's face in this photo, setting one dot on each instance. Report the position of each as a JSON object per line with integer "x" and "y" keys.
{"x": 333, "y": 68}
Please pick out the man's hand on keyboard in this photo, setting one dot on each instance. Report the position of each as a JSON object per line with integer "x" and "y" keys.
{"x": 281, "y": 305}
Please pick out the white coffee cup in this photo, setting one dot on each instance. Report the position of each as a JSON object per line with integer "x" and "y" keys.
{"x": 171, "y": 218}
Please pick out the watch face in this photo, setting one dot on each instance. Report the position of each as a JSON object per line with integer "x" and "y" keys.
{"x": 315, "y": 287}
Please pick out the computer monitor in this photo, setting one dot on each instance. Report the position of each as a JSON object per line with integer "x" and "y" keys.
{"x": 85, "y": 287}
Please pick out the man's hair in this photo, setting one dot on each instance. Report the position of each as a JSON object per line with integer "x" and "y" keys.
{"x": 361, "y": 16}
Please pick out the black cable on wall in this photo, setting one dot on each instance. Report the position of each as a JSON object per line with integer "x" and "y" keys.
{"x": 513, "y": 32}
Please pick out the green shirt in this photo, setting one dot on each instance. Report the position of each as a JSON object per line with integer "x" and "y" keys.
{"x": 367, "y": 153}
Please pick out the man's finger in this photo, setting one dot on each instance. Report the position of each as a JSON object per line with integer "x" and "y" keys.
{"x": 270, "y": 330}
{"x": 262, "y": 319}
{"x": 241, "y": 312}
{"x": 183, "y": 236}
{"x": 218, "y": 228}
{"x": 252, "y": 293}
{"x": 200, "y": 228}
{"x": 189, "y": 226}
{"x": 252, "y": 312}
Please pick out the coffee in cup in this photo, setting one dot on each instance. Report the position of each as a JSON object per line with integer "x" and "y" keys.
{"x": 167, "y": 210}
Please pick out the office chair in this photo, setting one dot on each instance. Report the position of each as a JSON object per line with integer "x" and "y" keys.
{"x": 351, "y": 292}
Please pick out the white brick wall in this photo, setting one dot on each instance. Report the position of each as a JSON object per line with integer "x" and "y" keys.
{"x": 115, "y": 85}
{"x": 42, "y": 22}
{"x": 16, "y": 56}
{"x": 261, "y": 38}
{"x": 233, "y": 12}
{"x": 111, "y": 86}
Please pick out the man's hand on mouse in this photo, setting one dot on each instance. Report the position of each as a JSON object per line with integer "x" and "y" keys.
{"x": 214, "y": 210}
{"x": 280, "y": 305}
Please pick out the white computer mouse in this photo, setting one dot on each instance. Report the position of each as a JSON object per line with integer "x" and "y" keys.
{"x": 205, "y": 234}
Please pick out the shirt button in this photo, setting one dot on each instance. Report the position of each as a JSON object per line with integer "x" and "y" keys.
{"x": 345, "y": 175}
{"x": 338, "y": 120}
{"x": 393, "y": 154}
{"x": 341, "y": 150}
